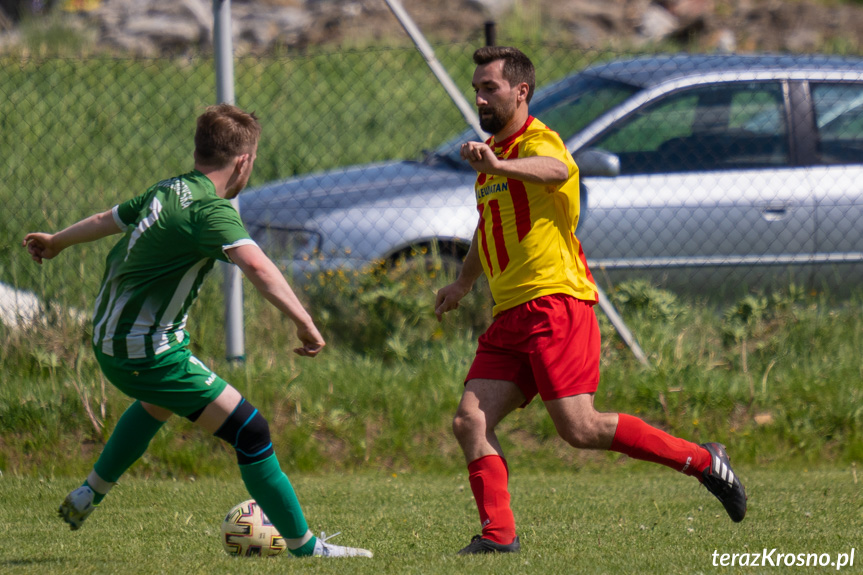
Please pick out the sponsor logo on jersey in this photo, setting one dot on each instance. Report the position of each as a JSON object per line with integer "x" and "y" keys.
{"x": 180, "y": 188}
{"x": 493, "y": 188}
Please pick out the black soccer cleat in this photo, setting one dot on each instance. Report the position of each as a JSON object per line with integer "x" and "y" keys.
{"x": 479, "y": 545}
{"x": 721, "y": 481}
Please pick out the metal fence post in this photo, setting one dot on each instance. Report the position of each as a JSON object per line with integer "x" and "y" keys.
{"x": 440, "y": 73}
{"x": 233, "y": 282}
{"x": 490, "y": 33}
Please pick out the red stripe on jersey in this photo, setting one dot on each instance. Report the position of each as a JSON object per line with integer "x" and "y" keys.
{"x": 587, "y": 272}
{"x": 483, "y": 241}
{"x": 497, "y": 233}
{"x": 520, "y": 203}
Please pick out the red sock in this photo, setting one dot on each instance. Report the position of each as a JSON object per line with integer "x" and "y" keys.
{"x": 642, "y": 441}
{"x": 488, "y": 481}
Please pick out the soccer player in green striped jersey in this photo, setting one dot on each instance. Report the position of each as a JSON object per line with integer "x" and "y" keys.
{"x": 172, "y": 235}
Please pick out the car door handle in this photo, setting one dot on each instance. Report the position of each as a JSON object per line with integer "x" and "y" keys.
{"x": 775, "y": 212}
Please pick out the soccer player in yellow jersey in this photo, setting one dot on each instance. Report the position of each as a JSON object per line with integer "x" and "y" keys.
{"x": 544, "y": 338}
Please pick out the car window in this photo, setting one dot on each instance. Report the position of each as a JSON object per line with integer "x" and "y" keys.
{"x": 570, "y": 115}
{"x": 716, "y": 127}
{"x": 839, "y": 121}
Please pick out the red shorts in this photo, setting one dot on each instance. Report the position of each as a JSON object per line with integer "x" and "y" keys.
{"x": 549, "y": 346}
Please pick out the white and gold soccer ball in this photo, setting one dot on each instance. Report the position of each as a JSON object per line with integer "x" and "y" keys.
{"x": 247, "y": 532}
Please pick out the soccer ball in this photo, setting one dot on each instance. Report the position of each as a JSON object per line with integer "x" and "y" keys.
{"x": 246, "y": 531}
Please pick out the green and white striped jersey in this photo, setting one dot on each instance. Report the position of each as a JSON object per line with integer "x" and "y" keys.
{"x": 174, "y": 233}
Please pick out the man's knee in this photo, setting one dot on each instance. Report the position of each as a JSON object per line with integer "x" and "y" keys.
{"x": 590, "y": 433}
{"x": 467, "y": 424}
{"x": 576, "y": 435}
{"x": 248, "y": 433}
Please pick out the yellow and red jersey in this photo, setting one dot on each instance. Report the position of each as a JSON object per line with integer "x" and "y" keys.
{"x": 526, "y": 231}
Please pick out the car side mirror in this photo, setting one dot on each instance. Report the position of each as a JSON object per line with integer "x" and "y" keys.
{"x": 599, "y": 163}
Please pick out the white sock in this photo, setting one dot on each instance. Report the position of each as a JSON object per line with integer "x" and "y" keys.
{"x": 98, "y": 484}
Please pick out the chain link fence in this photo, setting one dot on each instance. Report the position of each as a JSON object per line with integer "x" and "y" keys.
{"x": 733, "y": 174}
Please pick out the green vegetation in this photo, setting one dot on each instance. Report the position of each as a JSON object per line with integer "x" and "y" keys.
{"x": 625, "y": 520}
{"x": 775, "y": 377}
{"x": 363, "y": 430}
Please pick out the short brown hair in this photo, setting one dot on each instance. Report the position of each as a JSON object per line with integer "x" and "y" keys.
{"x": 517, "y": 67}
{"x": 223, "y": 133}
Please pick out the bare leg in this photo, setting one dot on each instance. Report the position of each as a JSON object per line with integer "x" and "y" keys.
{"x": 483, "y": 405}
{"x": 579, "y": 424}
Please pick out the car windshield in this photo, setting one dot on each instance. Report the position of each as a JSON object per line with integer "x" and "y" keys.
{"x": 566, "y": 107}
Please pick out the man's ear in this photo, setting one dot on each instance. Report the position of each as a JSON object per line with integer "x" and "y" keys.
{"x": 240, "y": 162}
{"x": 522, "y": 91}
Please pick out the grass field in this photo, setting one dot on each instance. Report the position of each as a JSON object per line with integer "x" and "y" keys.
{"x": 365, "y": 440}
{"x": 633, "y": 518}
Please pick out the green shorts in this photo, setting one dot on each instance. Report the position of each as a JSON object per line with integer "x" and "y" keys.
{"x": 175, "y": 380}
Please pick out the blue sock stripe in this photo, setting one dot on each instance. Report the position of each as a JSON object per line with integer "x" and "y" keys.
{"x": 269, "y": 446}
{"x": 239, "y": 431}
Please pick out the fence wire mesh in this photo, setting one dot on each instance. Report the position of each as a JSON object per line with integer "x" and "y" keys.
{"x": 699, "y": 171}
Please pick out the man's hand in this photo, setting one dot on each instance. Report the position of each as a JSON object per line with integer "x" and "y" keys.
{"x": 312, "y": 341}
{"x": 537, "y": 169}
{"x": 480, "y": 157}
{"x": 447, "y": 298}
{"x": 41, "y": 246}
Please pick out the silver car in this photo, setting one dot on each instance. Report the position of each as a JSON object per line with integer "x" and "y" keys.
{"x": 697, "y": 170}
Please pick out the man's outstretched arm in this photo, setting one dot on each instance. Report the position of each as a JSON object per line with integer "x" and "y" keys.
{"x": 42, "y": 246}
{"x": 270, "y": 282}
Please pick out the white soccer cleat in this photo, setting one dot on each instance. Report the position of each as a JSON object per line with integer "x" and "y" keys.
{"x": 77, "y": 506}
{"x": 324, "y": 549}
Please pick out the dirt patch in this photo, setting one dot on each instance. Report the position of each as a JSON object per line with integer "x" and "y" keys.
{"x": 740, "y": 25}
{"x": 161, "y": 27}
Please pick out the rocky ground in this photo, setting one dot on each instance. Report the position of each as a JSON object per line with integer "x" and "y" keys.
{"x": 154, "y": 27}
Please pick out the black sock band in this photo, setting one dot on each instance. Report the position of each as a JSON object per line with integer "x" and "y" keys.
{"x": 248, "y": 433}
